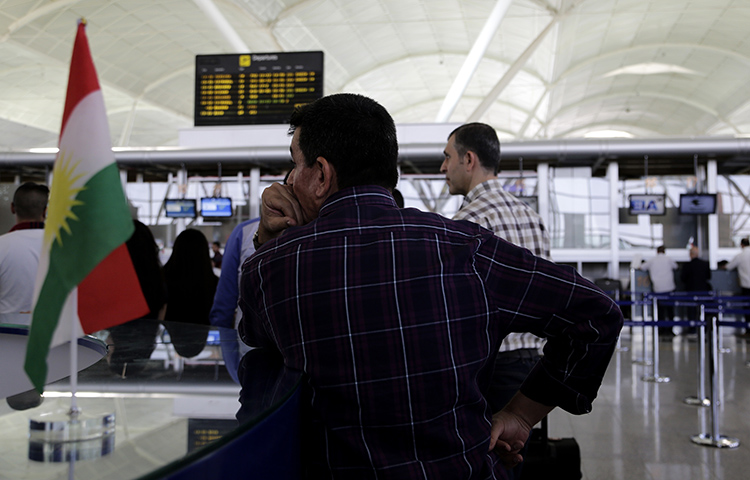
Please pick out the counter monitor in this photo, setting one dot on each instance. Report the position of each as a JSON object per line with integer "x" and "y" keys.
{"x": 216, "y": 207}
{"x": 179, "y": 208}
{"x": 697, "y": 203}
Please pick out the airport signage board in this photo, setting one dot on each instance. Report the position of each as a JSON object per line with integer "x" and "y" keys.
{"x": 255, "y": 88}
{"x": 645, "y": 204}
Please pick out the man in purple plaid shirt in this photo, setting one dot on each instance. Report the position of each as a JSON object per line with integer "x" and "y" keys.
{"x": 395, "y": 315}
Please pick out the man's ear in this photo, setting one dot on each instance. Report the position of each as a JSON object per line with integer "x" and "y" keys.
{"x": 12, "y": 208}
{"x": 471, "y": 161}
{"x": 327, "y": 183}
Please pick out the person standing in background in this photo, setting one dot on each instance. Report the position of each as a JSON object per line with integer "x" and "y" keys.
{"x": 472, "y": 160}
{"x": 741, "y": 262}
{"x": 191, "y": 283}
{"x": 20, "y": 248}
{"x": 661, "y": 271}
{"x": 217, "y": 257}
{"x": 139, "y": 335}
{"x": 695, "y": 276}
{"x": 224, "y": 312}
{"x": 19, "y": 260}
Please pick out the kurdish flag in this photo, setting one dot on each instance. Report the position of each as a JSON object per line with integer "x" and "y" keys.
{"x": 86, "y": 281}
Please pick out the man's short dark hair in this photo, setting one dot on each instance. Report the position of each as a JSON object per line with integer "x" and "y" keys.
{"x": 661, "y": 249}
{"x": 354, "y": 133}
{"x": 481, "y": 139}
{"x": 745, "y": 242}
{"x": 30, "y": 200}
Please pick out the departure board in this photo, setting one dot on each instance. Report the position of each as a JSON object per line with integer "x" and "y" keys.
{"x": 255, "y": 88}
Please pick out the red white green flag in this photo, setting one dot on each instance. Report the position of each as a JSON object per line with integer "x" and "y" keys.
{"x": 86, "y": 281}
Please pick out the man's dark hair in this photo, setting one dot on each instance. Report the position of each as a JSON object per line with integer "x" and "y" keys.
{"x": 745, "y": 242}
{"x": 30, "y": 200}
{"x": 481, "y": 139}
{"x": 354, "y": 133}
{"x": 661, "y": 249}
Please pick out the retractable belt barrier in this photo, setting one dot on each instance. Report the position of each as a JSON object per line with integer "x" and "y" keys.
{"x": 709, "y": 305}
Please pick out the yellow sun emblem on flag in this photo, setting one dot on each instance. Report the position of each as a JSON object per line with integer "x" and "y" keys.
{"x": 62, "y": 199}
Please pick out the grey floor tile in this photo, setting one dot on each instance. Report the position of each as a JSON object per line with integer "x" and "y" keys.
{"x": 642, "y": 430}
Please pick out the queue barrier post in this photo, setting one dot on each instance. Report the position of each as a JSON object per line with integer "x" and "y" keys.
{"x": 701, "y": 400}
{"x": 655, "y": 377}
{"x": 620, "y": 347}
{"x": 714, "y": 438}
{"x": 644, "y": 360}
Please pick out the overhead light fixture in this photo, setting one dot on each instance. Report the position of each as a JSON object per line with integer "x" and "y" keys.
{"x": 608, "y": 134}
{"x": 44, "y": 150}
{"x": 650, "y": 68}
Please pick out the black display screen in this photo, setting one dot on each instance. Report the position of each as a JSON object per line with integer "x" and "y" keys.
{"x": 255, "y": 89}
{"x": 697, "y": 203}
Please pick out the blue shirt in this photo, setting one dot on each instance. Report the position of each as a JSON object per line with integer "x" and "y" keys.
{"x": 396, "y": 315}
{"x": 239, "y": 246}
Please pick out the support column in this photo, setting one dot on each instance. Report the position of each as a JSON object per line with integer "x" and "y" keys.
{"x": 613, "y": 174}
{"x": 713, "y": 220}
{"x": 254, "y": 195}
{"x": 542, "y": 186}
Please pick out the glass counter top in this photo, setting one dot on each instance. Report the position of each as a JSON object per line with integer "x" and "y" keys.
{"x": 170, "y": 392}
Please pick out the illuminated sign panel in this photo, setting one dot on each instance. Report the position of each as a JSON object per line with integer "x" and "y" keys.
{"x": 255, "y": 89}
{"x": 647, "y": 205}
{"x": 179, "y": 208}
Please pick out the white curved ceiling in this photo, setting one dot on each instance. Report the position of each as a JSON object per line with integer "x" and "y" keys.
{"x": 644, "y": 68}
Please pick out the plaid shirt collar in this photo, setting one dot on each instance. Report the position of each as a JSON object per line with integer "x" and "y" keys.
{"x": 360, "y": 195}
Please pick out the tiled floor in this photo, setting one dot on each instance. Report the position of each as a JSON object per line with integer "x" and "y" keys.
{"x": 642, "y": 430}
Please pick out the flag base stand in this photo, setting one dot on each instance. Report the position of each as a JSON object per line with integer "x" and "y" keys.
{"x": 70, "y": 435}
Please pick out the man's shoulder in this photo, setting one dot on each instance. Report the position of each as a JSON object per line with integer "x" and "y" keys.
{"x": 400, "y": 222}
{"x": 20, "y": 241}
{"x": 20, "y": 235}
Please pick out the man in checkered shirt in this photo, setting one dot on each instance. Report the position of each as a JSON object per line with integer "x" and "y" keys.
{"x": 395, "y": 316}
{"x": 471, "y": 164}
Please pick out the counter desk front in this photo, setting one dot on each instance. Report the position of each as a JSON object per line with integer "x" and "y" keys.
{"x": 178, "y": 413}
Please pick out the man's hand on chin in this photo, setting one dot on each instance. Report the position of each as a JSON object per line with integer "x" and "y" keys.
{"x": 279, "y": 210}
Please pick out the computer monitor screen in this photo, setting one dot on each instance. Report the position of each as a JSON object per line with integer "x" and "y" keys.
{"x": 179, "y": 208}
{"x": 216, "y": 207}
{"x": 697, "y": 203}
{"x": 645, "y": 204}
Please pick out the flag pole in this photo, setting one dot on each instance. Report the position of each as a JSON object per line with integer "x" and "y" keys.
{"x": 74, "y": 410}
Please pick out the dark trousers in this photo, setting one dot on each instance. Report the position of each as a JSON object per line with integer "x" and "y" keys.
{"x": 746, "y": 293}
{"x": 511, "y": 369}
{"x": 666, "y": 313}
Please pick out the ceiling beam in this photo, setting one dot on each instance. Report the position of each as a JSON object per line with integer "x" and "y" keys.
{"x": 472, "y": 60}
{"x": 222, "y": 25}
{"x": 36, "y": 13}
{"x": 517, "y": 66}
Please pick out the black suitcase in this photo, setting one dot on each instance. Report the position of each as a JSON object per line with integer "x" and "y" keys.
{"x": 547, "y": 458}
